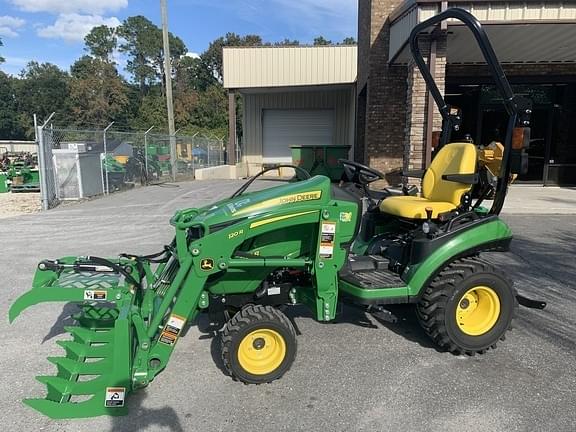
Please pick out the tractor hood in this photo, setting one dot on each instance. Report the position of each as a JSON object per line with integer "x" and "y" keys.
{"x": 248, "y": 205}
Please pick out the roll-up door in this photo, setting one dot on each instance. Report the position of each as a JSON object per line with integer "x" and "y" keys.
{"x": 283, "y": 128}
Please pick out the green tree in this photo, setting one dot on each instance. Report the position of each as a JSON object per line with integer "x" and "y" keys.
{"x": 185, "y": 102}
{"x": 287, "y": 42}
{"x": 211, "y": 110}
{"x": 152, "y": 112}
{"x": 177, "y": 50}
{"x": 41, "y": 89}
{"x": 101, "y": 42}
{"x": 140, "y": 41}
{"x": 348, "y": 41}
{"x": 213, "y": 55}
{"x": 193, "y": 74}
{"x": 321, "y": 41}
{"x": 97, "y": 93}
{"x": 9, "y": 127}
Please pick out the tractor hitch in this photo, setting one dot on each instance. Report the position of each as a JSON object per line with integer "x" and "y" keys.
{"x": 530, "y": 303}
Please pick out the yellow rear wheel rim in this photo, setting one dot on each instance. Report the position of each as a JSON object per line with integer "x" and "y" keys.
{"x": 478, "y": 310}
{"x": 262, "y": 351}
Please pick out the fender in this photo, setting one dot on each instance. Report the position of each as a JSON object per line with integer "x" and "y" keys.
{"x": 495, "y": 233}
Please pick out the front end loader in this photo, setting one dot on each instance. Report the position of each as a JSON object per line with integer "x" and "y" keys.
{"x": 243, "y": 260}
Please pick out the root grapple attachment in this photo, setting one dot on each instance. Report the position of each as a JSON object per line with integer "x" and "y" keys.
{"x": 94, "y": 375}
{"x": 125, "y": 331}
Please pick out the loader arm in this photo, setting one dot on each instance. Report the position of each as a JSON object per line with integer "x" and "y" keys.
{"x": 133, "y": 308}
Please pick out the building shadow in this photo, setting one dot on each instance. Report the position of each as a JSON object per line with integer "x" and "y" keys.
{"x": 139, "y": 417}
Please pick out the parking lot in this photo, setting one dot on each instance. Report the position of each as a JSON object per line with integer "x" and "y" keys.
{"x": 355, "y": 374}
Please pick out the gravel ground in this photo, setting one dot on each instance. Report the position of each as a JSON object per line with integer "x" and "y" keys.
{"x": 357, "y": 374}
{"x": 14, "y": 204}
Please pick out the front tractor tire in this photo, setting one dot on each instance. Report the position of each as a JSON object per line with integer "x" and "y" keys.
{"x": 258, "y": 344}
{"x": 468, "y": 307}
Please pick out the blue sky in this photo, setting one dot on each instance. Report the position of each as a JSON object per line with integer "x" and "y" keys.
{"x": 53, "y": 30}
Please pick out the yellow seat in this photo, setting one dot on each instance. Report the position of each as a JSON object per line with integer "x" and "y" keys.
{"x": 438, "y": 194}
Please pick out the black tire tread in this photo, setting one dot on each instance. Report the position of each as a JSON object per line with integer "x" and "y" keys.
{"x": 246, "y": 316}
{"x": 430, "y": 309}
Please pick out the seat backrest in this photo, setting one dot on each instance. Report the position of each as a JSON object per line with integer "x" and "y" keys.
{"x": 456, "y": 158}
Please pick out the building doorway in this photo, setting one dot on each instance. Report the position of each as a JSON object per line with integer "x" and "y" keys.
{"x": 552, "y": 151}
{"x": 492, "y": 127}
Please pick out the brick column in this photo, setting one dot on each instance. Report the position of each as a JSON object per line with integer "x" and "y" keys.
{"x": 383, "y": 90}
{"x": 417, "y": 105}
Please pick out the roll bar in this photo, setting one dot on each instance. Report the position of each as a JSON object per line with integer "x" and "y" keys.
{"x": 518, "y": 109}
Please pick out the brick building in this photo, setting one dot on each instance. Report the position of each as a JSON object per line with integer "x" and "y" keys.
{"x": 535, "y": 42}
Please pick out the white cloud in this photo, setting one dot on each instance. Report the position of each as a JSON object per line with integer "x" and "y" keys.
{"x": 73, "y": 27}
{"x": 192, "y": 54}
{"x": 70, "y": 6}
{"x": 120, "y": 58}
{"x": 9, "y": 25}
{"x": 14, "y": 65}
{"x": 16, "y": 61}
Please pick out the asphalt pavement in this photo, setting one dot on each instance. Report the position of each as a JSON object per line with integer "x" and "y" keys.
{"x": 357, "y": 374}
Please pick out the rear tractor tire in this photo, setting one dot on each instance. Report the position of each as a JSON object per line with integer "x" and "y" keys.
{"x": 258, "y": 344}
{"x": 468, "y": 307}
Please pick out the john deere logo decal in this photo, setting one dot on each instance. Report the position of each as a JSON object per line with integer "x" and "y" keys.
{"x": 345, "y": 216}
{"x": 207, "y": 264}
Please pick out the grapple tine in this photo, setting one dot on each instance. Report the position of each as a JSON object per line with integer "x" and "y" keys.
{"x": 74, "y": 350}
{"x": 42, "y": 295}
{"x": 73, "y": 367}
{"x": 65, "y": 386}
{"x": 57, "y": 387}
{"x": 66, "y": 367}
{"x": 92, "y": 407}
{"x": 81, "y": 350}
{"x": 84, "y": 335}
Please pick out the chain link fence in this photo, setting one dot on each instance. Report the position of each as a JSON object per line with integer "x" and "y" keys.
{"x": 83, "y": 163}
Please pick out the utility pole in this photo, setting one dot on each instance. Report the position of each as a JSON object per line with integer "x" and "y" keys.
{"x": 168, "y": 81}
{"x": 146, "y": 150}
{"x": 105, "y": 153}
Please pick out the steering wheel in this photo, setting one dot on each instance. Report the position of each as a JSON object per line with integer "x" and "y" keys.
{"x": 360, "y": 174}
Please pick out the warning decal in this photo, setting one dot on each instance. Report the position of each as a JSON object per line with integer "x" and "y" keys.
{"x": 172, "y": 329}
{"x": 95, "y": 295}
{"x": 115, "y": 397}
{"x": 328, "y": 227}
{"x": 327, "y": 240}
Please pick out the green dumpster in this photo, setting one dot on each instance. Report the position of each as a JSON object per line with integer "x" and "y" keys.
{"x": 4, "y": 182}
{"x": 320, "y": 159}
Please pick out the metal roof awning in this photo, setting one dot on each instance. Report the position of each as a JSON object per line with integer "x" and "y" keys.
{"x": 281, "y": 67}
{"x": 521, "y": 32}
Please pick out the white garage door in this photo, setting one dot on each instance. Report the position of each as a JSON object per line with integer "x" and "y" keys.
{"x": 283, "y": 128}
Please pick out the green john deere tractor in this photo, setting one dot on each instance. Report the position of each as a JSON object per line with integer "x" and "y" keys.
{"x": 307, "y": 242}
